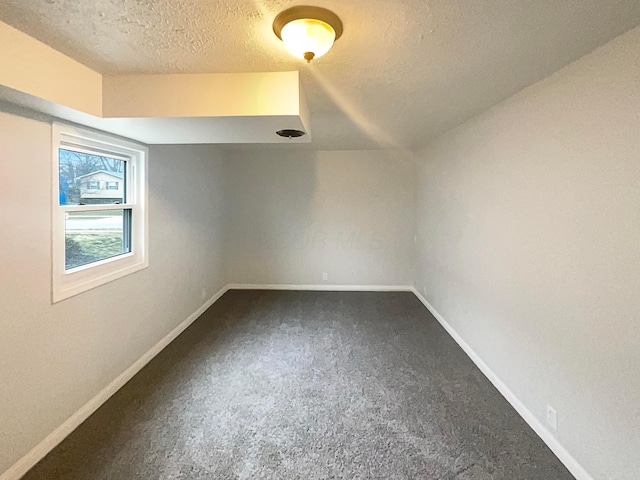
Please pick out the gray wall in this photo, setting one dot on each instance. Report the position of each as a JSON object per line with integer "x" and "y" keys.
{"x": 286, "y": 217}
{"x": 296, "y": 213}
{"x": 528, "y": 229}
{"x": 529, "y": 246}
{"x": 55, "y": 358}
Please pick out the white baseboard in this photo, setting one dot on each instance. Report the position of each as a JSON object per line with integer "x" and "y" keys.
{"x": 321, "y": 288}
{"x": 36, "y": 454}
{"x": 547, "y": 437}
{"x": 23, "y": 465}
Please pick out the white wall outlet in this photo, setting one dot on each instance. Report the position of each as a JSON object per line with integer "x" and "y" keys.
{"x": 552, "y": 417}
{"x": 204, "y": 293}
{"x": 415, "y": 239}
{"x": 325, "y": 276}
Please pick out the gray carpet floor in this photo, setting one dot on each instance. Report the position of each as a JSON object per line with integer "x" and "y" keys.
{"x": 307, "y": 385}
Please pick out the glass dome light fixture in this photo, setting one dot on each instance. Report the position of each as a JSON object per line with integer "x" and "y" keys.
{"x": 307, "y": 32}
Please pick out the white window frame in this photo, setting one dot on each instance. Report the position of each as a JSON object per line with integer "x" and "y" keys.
{"x": 67, "y": 283}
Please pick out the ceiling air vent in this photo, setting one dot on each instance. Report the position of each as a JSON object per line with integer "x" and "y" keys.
{"x": 287, "y": 133}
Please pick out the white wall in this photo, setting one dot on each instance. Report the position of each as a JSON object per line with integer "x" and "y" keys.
{"x": 54, "y": 358}
{"x": 296, "y": 213}
{"x": 529, "y": 246}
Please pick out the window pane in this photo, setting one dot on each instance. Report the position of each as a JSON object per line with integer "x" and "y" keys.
{"x": 95, "y": 235}
{"x": 87, "y": 179}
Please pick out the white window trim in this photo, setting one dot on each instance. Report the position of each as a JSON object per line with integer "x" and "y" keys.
{"x": 67, "y": 283}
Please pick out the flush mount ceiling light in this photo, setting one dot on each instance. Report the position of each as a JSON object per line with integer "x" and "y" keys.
{"x": 307, "y": 32}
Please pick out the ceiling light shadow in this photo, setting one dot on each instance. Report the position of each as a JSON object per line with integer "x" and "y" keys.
{"x": 368, "y": 128}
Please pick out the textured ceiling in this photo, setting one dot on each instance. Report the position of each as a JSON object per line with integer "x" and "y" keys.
{"x": 403, "y": 72}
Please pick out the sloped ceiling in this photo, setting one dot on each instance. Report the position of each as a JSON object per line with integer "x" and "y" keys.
{"x": 403, "y": 72}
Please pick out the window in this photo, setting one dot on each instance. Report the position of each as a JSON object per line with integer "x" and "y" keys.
{"x": 99, "y": 235}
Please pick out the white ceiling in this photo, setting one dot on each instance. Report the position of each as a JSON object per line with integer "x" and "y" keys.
{"x": 403, "y": 72}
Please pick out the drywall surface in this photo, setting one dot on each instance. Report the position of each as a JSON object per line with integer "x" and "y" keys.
{"x": 203, "y": 95}
{"x": 38, "y": 70}
{"x": 529, "y": 231}
{"x": 296, "y": 214}
{"x": 54, "y": 358}
{"x": 403, "y": 71}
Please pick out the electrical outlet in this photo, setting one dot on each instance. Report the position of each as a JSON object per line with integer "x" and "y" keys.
{"x": 325, "y": 276}
{"x": 204, "y": 293}
{"x": 415, "y": 239}
{"x": 552, "y": 417}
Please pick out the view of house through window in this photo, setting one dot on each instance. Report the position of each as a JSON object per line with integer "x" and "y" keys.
{"x": 93, "y": 235}
{"x": 99, "y": 215}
